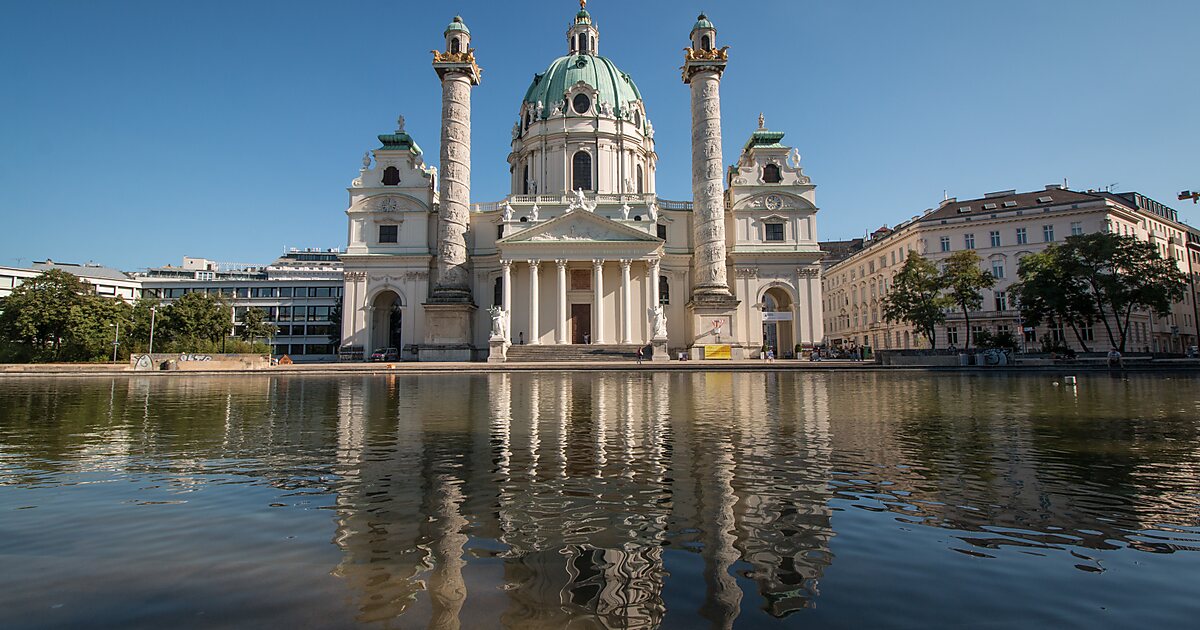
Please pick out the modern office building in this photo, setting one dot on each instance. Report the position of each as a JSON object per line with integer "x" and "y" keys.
{"x": 106, "y": 281}
{"x": 300, "y": 292}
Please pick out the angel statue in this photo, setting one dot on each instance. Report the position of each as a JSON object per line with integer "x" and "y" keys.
{"x": 498, "y": 316}
{"x": 508, "y": 211}
{"x": 533, "y": 213}
{"x": 659, "y": 319}
{"x": 795, "y": 157}
{"x": 653, "y": 211}
{"x": 625, "y": 211}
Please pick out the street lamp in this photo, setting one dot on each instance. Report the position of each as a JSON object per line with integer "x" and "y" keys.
{"x": 153, "y": 310}
{"x": 116, "y": 339}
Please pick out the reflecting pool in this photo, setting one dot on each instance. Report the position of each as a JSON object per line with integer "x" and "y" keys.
{"x": 614, "y": 499}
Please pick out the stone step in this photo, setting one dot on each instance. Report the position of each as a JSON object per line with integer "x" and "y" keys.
{"x": 572, "y": 353}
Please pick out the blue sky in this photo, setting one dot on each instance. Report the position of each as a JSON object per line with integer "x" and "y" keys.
{"x": 134, "y": 133}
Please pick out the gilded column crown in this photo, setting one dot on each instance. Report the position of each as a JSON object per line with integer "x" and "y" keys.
{"x": 703, "y": 54}
{"x": 458, "y": 55}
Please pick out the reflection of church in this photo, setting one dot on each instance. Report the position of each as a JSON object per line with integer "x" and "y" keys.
{"x": 582, "y": 250}
{"x": 544, "y": 502}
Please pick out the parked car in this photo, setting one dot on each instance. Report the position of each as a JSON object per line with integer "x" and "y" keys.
{"x": 385, "y": 354}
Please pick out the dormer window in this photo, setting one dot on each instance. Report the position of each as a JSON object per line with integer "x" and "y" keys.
{"x": 771, "y": 174}
{"x": 391, "y": 176}
{"x": 581, "y": 103}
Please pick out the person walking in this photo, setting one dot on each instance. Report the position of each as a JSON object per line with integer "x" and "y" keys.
{"x": 639, "y": 355}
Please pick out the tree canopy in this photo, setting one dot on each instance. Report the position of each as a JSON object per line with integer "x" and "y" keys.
{"x": 1098, "y": 277}
{"x": 963, "y": 279}
{"x": 916, "y": 297}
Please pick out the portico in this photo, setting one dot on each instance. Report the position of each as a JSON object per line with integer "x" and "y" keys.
{"x": 578, "y": 278}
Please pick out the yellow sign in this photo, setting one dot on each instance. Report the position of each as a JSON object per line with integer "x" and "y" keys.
{"x": 718, "y": 351}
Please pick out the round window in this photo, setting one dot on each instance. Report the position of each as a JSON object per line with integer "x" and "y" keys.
{"x": 581, "y": 103}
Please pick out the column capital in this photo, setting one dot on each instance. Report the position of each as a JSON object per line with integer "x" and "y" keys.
{"x": 506, "y": 264}
{"x": 625, "y": 263}
{"x": 533, "y": 264}
{"x": 562, "y": 263}
{"x": 597, "y": 263}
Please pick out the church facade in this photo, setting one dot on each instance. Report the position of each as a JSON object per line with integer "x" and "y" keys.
{"x": 582, "y": 251}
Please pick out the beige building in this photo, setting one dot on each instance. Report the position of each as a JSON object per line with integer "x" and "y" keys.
{"x": 1003, "y": 227}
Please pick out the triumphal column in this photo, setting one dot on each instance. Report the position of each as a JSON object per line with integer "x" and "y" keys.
{"x": 450, "y": 309}
{"x": 712, "y": 307}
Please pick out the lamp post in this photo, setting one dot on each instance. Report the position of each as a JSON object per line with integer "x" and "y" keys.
{"x": 153, "y": 311}
{"x": 116, "y": 339}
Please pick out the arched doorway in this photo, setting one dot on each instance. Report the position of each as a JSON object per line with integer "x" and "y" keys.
{"x": 777, "y": 321}
{"x": 387, "y": 321}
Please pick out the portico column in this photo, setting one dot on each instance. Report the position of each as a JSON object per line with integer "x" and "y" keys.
{"x": 598, "y": 301}
{"x": 626, "y": 303}
{"x": 506, "y": 297}
{"x": 560, "y": 335}
{"x": 533, "y": 302}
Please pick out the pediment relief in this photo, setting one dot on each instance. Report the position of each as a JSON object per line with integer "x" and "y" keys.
{"x": 774, "y": 201}
{"x": 581, "y": 227}
{"x": 389, "y": 204}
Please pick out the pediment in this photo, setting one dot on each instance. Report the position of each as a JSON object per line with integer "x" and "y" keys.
{"x": 581, "y": 226}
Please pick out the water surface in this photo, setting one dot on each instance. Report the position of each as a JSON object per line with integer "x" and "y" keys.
{"x": 622, "y": 499}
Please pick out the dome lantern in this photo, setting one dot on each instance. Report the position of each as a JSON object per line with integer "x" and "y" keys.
{"x": 583, "y": 38}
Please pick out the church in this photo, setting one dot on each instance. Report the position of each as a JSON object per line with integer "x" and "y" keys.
{"x": 582, "y": 255}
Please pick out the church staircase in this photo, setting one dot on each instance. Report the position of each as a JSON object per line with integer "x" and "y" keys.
{"x": 554, "y": 353}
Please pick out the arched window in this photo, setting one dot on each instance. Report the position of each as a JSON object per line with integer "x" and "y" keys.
{"x": 525, "y": 180}
{"x": 641, "y": 180}
{"x": 664, "y": 290}
{"x": 771, "y": 174}
{"x": 582, "y": 45}
{"x": 391, "y": 176}
{"x": 637, "y": 118}
{"x": 455, "y": 46}
{"x": 769, "y": 303}
{"x": 706, "y": 42}
{"x": 498, "y": 292}
{"x": 581, "y": 171}
{"x": 528, "y": 121}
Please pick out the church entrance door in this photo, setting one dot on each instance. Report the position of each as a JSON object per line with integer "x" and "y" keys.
{"x": 581, "y": 322}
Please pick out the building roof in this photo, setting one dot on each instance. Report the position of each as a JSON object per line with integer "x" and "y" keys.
{"x": 764, "y": 139}
{"x": 614, "y": 86}
{"x": 1005, "y": 202}
{"x": 702, "y": 22}
{"x": 86, "y": 270}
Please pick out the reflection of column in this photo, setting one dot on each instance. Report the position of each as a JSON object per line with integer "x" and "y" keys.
{"x": 506, "y": 297}
{"x": 598, "y": 335}
{"x": 626, "y": 304}
{"x": 560, "y": 335}
{"x": 447, "y": 590}
{"x": 724, "y": 595}
{"x": 533, "y": 302}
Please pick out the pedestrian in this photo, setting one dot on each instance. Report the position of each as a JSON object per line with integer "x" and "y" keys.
{"x": 639, "y": 355}
{"x": 770, "y": 355}
{"x": 522, "y": 337}
{"x": 1114, "y": 358}
{"x": 587, "y": 338}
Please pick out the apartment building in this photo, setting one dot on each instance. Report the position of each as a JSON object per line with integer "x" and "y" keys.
{"x": 105, "y": 281}
{"x": 1002, "y": 227}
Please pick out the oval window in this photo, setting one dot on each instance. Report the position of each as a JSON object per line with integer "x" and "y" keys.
{"x": 581, "y": 103}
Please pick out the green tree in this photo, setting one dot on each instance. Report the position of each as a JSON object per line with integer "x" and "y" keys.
{"x": 335, "y": 326}
{"x": 1051, "y": 289}
{"x": 38, "y": 312}
{"x": 963, "y": 279}
{"x": 1104, "y": 278}
{"x": 916, "y": 297}
{"x": 92, "y": 329}
{"x": 1124, "y": 274}
{"x": 255, "y": 325}
{"x": 196, "y": 317}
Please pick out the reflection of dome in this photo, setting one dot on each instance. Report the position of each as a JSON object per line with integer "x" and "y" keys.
{"x": 613, "y": 86}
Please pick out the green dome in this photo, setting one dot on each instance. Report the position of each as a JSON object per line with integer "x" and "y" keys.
{"x": 457, "y": 24}
{"x": 702, "y": 22}
{"x": 614, "y": 87}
